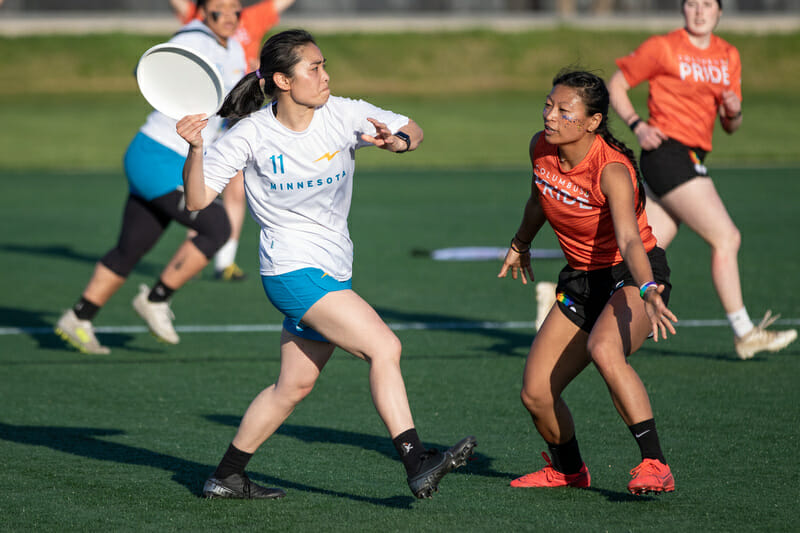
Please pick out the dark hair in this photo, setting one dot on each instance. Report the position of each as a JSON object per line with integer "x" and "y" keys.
{"x": 593, "y": 93}
{"x": 279, "y": 54}
{"x": 200, "y": 3}
{"x": 719, "y": 3}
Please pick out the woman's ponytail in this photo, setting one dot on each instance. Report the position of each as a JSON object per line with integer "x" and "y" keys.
{"x": 245, "y": 98}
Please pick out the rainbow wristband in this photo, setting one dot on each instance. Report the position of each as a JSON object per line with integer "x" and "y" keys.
{"x": 645, "y": 286}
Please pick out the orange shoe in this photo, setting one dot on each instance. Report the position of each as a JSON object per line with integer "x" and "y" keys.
{"x": 550, "y": 477}
{"x": 651, "y": 476}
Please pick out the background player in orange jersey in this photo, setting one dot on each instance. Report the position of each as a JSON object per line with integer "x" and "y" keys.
{"x": 694, "y": 77}
{"x": 254, "y": 22}
{"x": 611, "y": 295}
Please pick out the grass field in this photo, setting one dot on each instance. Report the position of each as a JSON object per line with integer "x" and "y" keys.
{"x": 124, "y": 442}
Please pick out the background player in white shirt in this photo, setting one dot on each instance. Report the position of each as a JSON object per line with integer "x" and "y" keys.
{"x": 254, "y": 22}
{"x": 153, "y": 164}
{"x": 302, "y": 150}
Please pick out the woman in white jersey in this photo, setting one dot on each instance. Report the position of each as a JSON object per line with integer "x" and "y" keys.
{"x": 302, "y": 150}
{"x": 153, "y": 164}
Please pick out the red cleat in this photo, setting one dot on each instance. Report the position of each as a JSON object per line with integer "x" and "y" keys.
{"x": 550, "y": 477}
{"x": 651, "y": 476}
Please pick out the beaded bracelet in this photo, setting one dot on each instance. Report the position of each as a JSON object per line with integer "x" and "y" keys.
{"x": 645, "y": 286}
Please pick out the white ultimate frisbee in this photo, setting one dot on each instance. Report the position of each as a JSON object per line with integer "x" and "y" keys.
{"x": 179, "y": 81}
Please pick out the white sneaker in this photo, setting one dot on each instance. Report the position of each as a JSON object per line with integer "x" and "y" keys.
{"x": 759, "y": 339}
{"x": 79, "y": 334}
{"x": 545, "y": 298}
{"x": 158, "y": 316}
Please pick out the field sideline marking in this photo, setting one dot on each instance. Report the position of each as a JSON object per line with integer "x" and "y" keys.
{"x": 397, "y": 326}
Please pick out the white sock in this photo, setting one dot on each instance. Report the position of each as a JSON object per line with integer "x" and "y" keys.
{"x": 226, "y": 255}
{"x": 740, "y": 322}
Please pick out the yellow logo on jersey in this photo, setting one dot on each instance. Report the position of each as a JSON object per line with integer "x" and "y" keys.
{"x": 327, "y": 155}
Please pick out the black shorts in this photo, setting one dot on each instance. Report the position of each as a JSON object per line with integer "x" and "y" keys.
{"x": 581, "y": 295}
{"x": 670, "y": 165}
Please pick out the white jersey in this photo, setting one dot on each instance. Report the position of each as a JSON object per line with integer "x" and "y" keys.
{"x": 299, "y": 184}
{"x": 231, "y": 64}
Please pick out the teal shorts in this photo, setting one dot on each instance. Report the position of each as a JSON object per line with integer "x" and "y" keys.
{"x": 295, "y": 292}
{"x": 152, "y": 169}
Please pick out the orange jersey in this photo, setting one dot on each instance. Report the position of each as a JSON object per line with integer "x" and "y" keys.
{"x": 685, "y": 83}
{"x": 578, "y": 210}
{"x": 255, "y": 22}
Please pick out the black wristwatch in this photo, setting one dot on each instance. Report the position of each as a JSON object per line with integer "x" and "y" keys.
{"x": 403, "y": 135}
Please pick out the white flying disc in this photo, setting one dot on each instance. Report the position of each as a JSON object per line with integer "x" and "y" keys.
{"x": 482, "y": 253}
{"x": 179, "y": 81}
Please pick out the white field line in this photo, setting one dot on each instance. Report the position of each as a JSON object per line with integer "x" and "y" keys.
{"x": 396, "y": 326}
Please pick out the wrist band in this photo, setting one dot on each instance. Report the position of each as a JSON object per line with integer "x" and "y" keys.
{"x": 514, "y": 247}
{"x": 403, "y": 135}
{"x": 645, "y": 286}
{"x": 633, "y": 124}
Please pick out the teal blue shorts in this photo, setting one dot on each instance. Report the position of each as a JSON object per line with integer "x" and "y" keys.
{"x": 152, "y": 169}
{"x": 295, "y": 292}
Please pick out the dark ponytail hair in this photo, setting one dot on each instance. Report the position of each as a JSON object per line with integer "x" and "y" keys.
{"x": 279, "y": 54}
{"x": 594, "y": 95}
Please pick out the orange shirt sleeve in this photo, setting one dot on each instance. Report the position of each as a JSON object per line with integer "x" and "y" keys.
{"x": 643, "y": 63}
{"x": 191, "y": 14}
{"x": 255, "y": 22}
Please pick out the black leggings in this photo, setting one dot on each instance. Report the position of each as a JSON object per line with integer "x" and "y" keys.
{"x": 143, "y": 223}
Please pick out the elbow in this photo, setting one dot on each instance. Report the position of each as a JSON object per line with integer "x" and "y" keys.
{"x": 628, "y": 244}
{"x": 193, "y": 205}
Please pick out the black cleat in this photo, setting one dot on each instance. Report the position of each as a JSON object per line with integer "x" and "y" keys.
{"x": 239, "y": 486}
{"x": 436, "y": 464}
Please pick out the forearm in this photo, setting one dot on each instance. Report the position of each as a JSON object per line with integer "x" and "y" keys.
{"x": 194, "y": 186}
{"x": 635, "y": 257}
{"x": 532, "y": 221}
{"x": 620, "y": 101}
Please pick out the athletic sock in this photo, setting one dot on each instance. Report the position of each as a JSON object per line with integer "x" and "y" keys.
{"x": 84, "y": 309}
{"x": 647, "y": 438}
{"x": 160, "y": 292}
{"x": 410, "y": 449}
{"x": 233, "y": 462}
{"x": 566, "y": 458}
{"x": 740, "y": 322}
{"x": 226, "y": 255}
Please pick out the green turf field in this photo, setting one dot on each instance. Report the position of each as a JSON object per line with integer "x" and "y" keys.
{"x": 124, "y": 442}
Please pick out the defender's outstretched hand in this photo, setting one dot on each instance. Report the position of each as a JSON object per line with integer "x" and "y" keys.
{"x": 519, "y": 264}
{"x": 660, "y": 317}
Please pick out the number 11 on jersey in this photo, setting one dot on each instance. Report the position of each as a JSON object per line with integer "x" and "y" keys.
{"x": 275, "y": 161}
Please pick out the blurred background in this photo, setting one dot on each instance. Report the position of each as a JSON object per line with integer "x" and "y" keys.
{"x": 562, "y": 7}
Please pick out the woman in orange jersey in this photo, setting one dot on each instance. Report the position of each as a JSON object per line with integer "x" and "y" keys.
{"x": 694, "y": 77}
{"x": 611, "y": 295}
